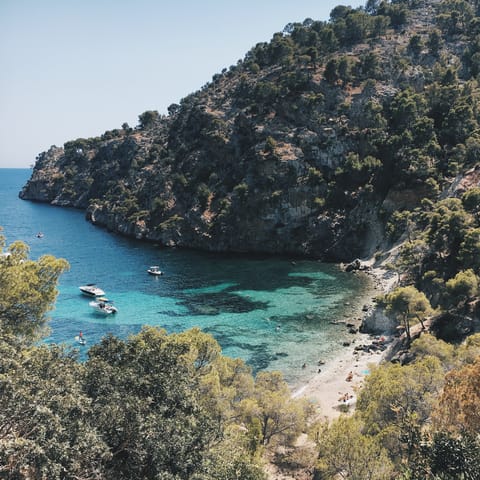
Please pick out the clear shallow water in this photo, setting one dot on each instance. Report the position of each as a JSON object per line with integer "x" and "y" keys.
{"x": 275, "y": 313}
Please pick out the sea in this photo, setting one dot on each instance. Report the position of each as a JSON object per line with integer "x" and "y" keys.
{"x": 276, "y": 313}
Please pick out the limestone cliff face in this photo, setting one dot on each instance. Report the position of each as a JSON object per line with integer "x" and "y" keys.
{"x": 199, "y": 189}
{"x": 287, "y": 152}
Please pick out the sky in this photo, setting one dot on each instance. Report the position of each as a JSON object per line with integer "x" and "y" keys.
{"x": 76, "y": 68}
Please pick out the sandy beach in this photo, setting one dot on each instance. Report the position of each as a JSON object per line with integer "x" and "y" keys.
{"x": 338, "y": 381}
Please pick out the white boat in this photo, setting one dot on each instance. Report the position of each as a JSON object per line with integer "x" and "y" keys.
{"x": 91, "y": 290}
{"x": 155, "y": 270}
{"x": 103, "y": 306}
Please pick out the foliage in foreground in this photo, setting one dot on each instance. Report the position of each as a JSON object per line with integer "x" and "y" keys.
{"x": 172, "y": 407}
{"x": 154, "y": 406}
{"x": 28, "y": 290}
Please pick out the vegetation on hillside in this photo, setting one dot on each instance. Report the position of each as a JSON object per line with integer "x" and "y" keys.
{"x": 296, "y": 147}
{"x": 310, "y": 133}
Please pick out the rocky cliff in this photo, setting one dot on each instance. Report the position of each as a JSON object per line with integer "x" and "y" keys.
{"x": 304, "y": 147}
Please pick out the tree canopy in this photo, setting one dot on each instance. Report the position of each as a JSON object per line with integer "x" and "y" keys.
{"x": 27, "y": 290}
{"x": 409, "y": 306}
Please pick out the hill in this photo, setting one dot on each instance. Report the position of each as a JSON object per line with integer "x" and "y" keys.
{"x": 334, "y": 140}
{"x": 287, "y": 151}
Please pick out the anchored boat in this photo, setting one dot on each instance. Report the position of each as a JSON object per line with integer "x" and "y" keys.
{"x": 103, "y": 306}
{"x": 91, "y": 290}
{"x": 155, "y": 270}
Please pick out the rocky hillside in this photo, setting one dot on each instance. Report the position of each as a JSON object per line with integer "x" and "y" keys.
{"x": 307, "y": 146}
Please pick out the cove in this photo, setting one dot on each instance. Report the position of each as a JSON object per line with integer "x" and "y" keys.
{"x": 275, "y": 313}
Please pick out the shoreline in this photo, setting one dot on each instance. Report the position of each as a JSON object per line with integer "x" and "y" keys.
{"x": 334, "y": 386}
{"x": 334, "y": 389}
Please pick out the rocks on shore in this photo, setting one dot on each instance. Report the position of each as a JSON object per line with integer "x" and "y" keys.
{"x": 356, "y": 265}
{"x": 377, "y": 344}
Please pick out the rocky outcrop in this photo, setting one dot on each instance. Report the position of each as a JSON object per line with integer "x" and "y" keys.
{"x": 463, "y": 182}
{"x": 376, "y": 322}
{"x": 46, "y": 182}
{"x": 217, "y": 181}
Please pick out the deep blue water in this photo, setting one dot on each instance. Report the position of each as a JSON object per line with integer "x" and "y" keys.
{"x": 275, "y": 313}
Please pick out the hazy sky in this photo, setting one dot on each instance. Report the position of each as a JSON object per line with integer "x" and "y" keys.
{"x": 76, "y": 68}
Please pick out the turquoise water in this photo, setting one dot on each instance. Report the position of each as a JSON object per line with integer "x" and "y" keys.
{"x": 275, "y": 313}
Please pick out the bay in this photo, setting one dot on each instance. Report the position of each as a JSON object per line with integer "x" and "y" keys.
{"x": 276, "y": 313}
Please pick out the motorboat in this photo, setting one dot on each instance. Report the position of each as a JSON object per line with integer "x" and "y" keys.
{"x": 91, "y": 290}
{"x": 155, "y": 270}
{"x": 103, "y": 306}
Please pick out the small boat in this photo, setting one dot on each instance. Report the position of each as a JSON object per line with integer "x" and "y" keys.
{"x": 155, "y": 270}
{"x": 103, "y": 306}
{"x": 80, "y": 340}
{"x": 91, "y": 290}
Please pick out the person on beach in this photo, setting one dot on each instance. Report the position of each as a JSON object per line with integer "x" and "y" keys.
{"x": 349, "y": 376}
